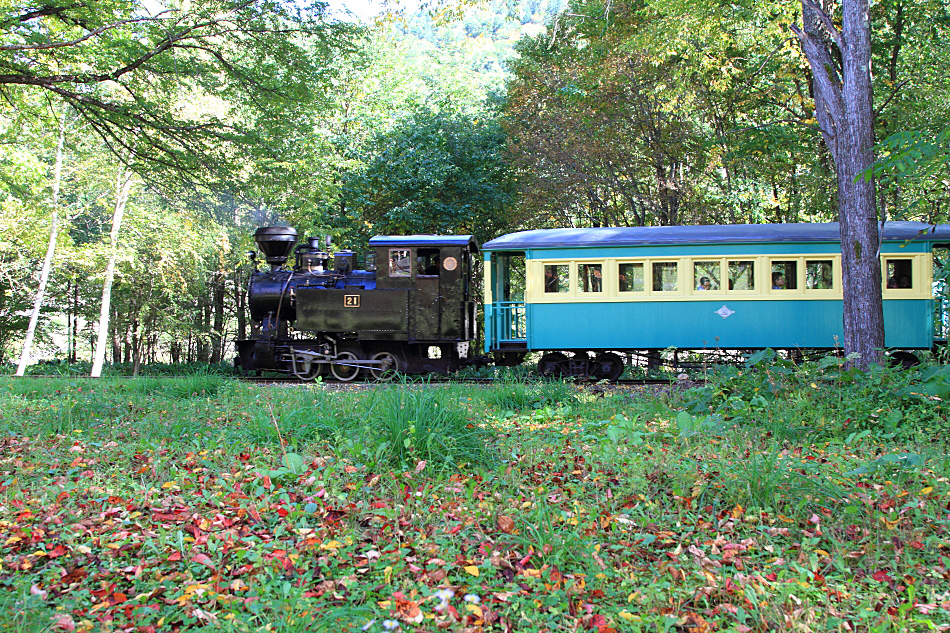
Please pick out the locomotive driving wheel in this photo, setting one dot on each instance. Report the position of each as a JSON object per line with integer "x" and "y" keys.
{"x": 552, "y": 364}
{"x": 387, "y": 369}
{"x": 310, "y": 375}
{"x": 346, "y": 368}
{"x": 607, "y": 366}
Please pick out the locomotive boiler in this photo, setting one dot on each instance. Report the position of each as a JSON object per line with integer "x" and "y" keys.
{"x": 410, "y": 309}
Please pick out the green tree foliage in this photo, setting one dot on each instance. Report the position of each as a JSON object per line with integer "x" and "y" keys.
{"x": 634, "y": 113}
{"x": 175, "y": 90}
{"x": 629, "y": 112}
{"x": 434, "y": 172}
{"x": 917, "y": 164}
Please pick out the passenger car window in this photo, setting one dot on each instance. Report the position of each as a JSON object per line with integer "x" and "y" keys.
{"x": 590, "y": 278}
{"x": 664, "y": 277}
{"x": 399, "y": 262}
{"x": 742, "y": 275}
{"x": 707, "y": 275}
{"x": 784, "y": 275}
{"x": 630, "y": 278}
{"x": 899, "y": 273}
{"x": 556, "y": 278}
{"x": 819, "y": 274}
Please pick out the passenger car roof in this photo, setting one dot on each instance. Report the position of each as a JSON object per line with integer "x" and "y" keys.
{"x": 425, "y": 240}
{"x": 704, "y": 234}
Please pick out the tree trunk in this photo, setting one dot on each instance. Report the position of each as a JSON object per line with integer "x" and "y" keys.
{"x": 123, "y": 188}
{"x": 75, "y": 323}
{"x": 843, "y": 107}
{"x": 240, "y": 296}
{"x": 217, "y": 326}
{"x": 50, "y": 251}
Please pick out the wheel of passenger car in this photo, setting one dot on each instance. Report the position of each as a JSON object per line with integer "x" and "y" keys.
{"x": 607, "y": 366}
{"x": 904, "y": 360}
{"x": 391, "y": 365}
{"x": 552, "y": 364}
{"x": 344, "y": 368}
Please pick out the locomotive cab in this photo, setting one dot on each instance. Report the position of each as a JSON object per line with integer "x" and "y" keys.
{"x": 436, "y": 273}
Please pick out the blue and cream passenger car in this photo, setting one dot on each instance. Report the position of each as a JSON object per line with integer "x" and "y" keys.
{"x": 583, "y": 294}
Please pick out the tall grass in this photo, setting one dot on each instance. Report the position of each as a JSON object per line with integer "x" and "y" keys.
{"x": 413, "y": 422}
{"x": 512, "y": 393}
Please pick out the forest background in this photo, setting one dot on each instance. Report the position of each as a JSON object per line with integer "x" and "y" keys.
{"x": 150, "y": 141}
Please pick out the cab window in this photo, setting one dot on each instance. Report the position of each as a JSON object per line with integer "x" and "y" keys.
{"x": 665, "y": 277}
{"x": 427, "y": 260}
{"x": 784, "y": 275}
{"x": 590, "y": 277}
{"x": 819, "y": 274}
{"x": 898, "y": 273}
{"x": 556, "y": 278}
{"x": 630, "y": 278}
{"x": 399, "y": 262}
{"x": 707, "y": 275}
{"x": 742, "y": 275}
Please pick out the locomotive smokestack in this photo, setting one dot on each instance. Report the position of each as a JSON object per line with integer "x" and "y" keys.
{"x": 276, "y": 242}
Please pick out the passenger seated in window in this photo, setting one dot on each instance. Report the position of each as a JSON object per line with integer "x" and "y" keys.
{"x": 704, "y": 284}
{"x": 903, "y": 282}
{"x": 891, "y": 282}
{"x": 550, "y": 280}
{"x": 778, "y": 281}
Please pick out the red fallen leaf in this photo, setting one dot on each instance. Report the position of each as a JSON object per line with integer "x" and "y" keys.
{"x": 506, "y": 524}
{"x": 116, "y": 598}
{"x": 64, "y": 623}
{"x": 455, "y": 529}
{"x": 202, "y": 559}
{"x": 771, "y": 577}
{"x": 173, "y": 557}
{"x": 282, "y": 512}
{"x": 406, "y": 609}
{"x": 74, "y": 575}
{"x": 56, "y": 552}
{"x": 881, "y": 576}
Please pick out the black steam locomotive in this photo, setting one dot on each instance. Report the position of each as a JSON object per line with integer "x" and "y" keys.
{"x": 410, "y": 309}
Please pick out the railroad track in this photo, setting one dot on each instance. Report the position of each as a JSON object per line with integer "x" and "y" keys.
{"x": 427, "y": 379}
{"x": 449, "y": 380}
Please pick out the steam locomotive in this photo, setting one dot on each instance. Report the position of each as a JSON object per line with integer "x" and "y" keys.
{"x": 409, "y": 310}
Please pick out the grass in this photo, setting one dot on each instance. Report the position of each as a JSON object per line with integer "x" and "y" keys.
{"x": 773, "y": 498}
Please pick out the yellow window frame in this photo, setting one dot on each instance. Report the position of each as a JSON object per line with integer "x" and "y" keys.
{"x": 921, "y": 276}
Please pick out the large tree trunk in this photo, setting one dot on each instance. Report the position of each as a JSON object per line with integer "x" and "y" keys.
{"x": 843, "y": 107}
{"x": 122, "y": 189}
{"x": 26, "y": 352}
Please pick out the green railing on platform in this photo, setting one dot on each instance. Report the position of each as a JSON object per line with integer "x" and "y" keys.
{"x": 508, "y": 321}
